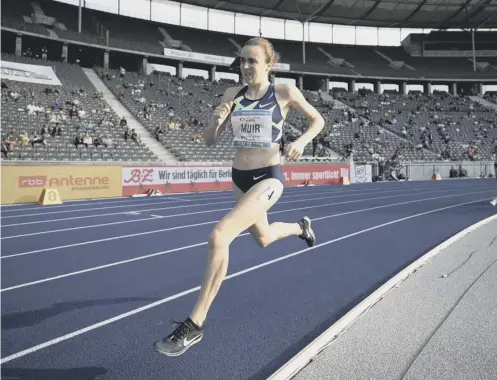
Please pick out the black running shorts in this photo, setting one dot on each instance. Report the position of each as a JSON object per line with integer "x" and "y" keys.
{"x": 245, "y": 179}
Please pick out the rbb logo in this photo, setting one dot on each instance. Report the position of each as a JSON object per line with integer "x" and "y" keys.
{"x": 32, "y": 181}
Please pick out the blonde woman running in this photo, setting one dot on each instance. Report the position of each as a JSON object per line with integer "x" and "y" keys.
{"x": 257, "y": 113}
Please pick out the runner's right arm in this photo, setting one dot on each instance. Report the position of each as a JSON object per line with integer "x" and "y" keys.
{"x": 219, "y": 118}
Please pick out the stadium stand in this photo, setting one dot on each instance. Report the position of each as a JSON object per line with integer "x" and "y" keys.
{"x": 351, "y": 134}
{"x": 149, "y": 37}
{"x": 71, "y": 123}
{"x": 173, "y": 110}
{"x": 455, "y": 128}
{"x": 363, "y": 126}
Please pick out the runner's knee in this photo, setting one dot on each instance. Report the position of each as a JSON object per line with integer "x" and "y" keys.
{"x": 262, "y": 239}
{"x": 218, "y": 240}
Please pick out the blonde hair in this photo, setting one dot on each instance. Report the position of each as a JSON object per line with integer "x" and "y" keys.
{"x": 272, "y": 56}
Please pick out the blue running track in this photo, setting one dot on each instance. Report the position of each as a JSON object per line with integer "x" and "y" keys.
{"x": 89, "y": 286}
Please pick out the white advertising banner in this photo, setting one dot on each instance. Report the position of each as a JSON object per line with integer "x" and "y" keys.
{"x": 23, "y": 72}
{"x": 175, "y": 175}
{"x": 213, "y": 59}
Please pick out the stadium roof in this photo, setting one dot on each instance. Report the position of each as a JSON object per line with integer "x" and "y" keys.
{"x": 433, "y": 14}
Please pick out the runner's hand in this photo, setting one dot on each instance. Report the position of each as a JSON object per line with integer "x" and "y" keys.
{"x": 221, "y": 112}
{"x": 294, "y": 150}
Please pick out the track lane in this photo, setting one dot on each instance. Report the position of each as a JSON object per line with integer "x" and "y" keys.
{"x": 251, "y": 330}
{"x": 38, "y": 264}
{"x": 66, "y": 211}
{"x": 126, "y": 284}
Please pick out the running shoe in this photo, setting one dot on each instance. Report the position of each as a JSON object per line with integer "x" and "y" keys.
{"x": 307, "y": 232}
{"x": 181, "y": 339}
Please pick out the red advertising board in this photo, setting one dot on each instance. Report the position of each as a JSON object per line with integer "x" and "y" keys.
{"x": 180, "y": 179}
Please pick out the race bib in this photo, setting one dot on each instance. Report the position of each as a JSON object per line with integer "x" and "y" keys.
{"x": 252, "y": 128}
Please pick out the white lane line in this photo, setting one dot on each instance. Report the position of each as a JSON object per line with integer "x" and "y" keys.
{"x": 70, "y": 274}
{"x": 82, "y": 203}
{"x": 224, "y": 209}
{"x": 346, "y": 194}
{"x": 139, "y": 202}
{"x": 215, "y": 221}
{"x": 187, "y": 196}
{"x": 203, "y": 212}
{"x": 233, "y": 275}
{"x": 305, "y": 198}
{"x": 190, "y": 196}
{"x": 133, "y": 201}
{"x": 302, "y": 191}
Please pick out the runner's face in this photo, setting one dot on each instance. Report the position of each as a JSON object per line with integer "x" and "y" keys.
{"x": 253, "y": 65}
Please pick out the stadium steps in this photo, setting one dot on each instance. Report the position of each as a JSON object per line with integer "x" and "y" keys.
{"x": 155, "y": 146}
{"x": 484, "y": 103}
{"x": 235, "y": 44}
{"x": 52, "y": 33}
{"x": 171, "y": 42}
{"x": 397, "y": 65}
{"x": 37, "y": 9}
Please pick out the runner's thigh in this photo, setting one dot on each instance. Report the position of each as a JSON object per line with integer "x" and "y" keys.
{"x": 251, "y": 207}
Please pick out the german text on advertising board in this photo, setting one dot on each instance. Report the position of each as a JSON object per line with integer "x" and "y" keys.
{"x": 207, "y": 178}
{"x": 24, "y": 183}
{"x": 317, "y": 174}
{"x": 175, "y": 175}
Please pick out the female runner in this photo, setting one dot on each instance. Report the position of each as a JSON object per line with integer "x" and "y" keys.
{"x": 257, "y": 114}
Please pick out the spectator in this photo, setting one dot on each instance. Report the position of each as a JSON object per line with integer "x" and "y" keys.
{"x": 158, "y": 132}
{"x": 24, "y": 139}
{"x": 56, "y": 130}
{"x": 87, "y": 140}
{"x": 5, "y": 148}
{"x": 9, "y": 142}
{"x": 73, "y": 112}
{"x": 196, "y": 138}
{"x": 38, "y": 139}
{"x": 135, "y": 137}
{"x": 97, "y": 141}
{"x": 314, "y": 146}
{"x": 78, "y": 140}
{"x": 107, "y": 141}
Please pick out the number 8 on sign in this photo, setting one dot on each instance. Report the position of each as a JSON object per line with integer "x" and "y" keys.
{"x": 49, "y": 197}
{"x": 52, "y": 196}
